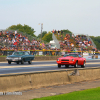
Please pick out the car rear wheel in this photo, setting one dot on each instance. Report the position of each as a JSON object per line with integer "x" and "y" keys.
{"x": 83, "y": 65}
{"x": 76, "y": 65}
{"x": 29, "y": 62}
{"x": 59, "y": 66}
{"x": 22, "y": 62}
{"x": 9, "y": 62}
{"x": 66, "y": 66}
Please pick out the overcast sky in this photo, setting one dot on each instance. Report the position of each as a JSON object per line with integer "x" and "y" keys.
{"x": 78, "y": 16}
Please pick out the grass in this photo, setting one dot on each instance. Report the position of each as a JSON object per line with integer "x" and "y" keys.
{"x": 2, "y": 56}
{"x": 34, "y": 55}
{"x": 89, "y": 94}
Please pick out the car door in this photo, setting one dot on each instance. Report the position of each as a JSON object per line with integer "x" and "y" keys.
{"x": 27, "y": 58}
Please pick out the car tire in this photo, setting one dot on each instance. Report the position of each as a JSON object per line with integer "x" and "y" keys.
{"x": 83, "y": 66}
{"x": 76, "y": 65}
{"x": 22, "y": 62}
{"x": 30, "y": 62}
{"x": 17, "y": 62}
{"x": 59, "y": 66}
{"x": 9, "y": 62}
{"x": 66, "y": 66}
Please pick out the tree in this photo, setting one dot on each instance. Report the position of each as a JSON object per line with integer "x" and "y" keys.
{"x": 67, "y": 32}
{"x": 96, "y": 40}
{"x": 43, "y": 33}
{"x": 25, "y": 29}
{"x": 47, "y": 37}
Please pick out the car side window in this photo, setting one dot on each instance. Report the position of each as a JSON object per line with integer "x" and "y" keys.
{"x": 26, "y": 53}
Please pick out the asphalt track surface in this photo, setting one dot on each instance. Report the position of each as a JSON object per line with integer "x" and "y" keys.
{"x": 38, "y": 66}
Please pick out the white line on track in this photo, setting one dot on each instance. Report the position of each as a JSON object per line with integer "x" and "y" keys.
{"x": 44, "y": 65}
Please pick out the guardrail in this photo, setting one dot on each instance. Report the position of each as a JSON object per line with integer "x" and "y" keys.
{"x": 48, "y": 52}
{"x": 26, "y": 81}
{"x": 33, "y": 52}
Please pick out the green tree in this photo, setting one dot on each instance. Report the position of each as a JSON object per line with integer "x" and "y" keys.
{"x": 96, "y": 40}
{"x": 25, "y": 29}
{"x": 47, "y": 37}
{"x": 43, "y": 33}
{"x": 67, "y": 32}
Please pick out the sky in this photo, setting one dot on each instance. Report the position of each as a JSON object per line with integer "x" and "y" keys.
{"x": 78, "y": 16}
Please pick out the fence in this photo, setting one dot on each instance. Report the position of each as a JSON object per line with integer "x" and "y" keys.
{"x": 50, "y": 52}
{"x": 33, "y": 52}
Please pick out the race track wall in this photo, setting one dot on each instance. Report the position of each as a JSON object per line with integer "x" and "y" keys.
{"x": 10, "y": 83}
{"x": 39, "y": 58}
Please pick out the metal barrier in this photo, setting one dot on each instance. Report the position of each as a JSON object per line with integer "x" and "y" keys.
{"x": 47, "y": 52}
{"x": 33, "y": 52}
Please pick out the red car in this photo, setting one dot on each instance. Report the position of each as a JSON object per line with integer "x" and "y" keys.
{"x": 73, "y": 59}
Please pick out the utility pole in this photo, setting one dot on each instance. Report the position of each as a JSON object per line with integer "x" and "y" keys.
{"x": 41, "y": 30}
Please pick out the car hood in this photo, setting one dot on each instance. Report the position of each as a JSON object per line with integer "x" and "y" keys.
{"x": 69, "y": 57}
{"x": 14, "y": 56}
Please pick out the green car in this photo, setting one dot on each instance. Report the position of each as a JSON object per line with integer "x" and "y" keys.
{"x": 20, "y": 56}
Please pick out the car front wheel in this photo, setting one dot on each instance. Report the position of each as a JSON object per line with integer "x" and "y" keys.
{"x": 17, "y": 62}
{"x": 59, "y": 66}
{"x": 29, "y": 62}
{"x": 9, "y": 62}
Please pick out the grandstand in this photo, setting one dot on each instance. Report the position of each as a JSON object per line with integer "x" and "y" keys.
{"x": 73, "y": 42}
{"x": 10, "y": 39}
{"x": 16, "y": 40}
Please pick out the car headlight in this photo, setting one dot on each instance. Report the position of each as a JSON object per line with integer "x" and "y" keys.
{"x": 57, "y": 59}
{"x": 71, "y": 59}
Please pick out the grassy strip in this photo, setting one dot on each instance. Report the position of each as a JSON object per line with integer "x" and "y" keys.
{"x": 35, "y": 55}
{"x": 2, "y": 56}
{"x": 89, "y": 94}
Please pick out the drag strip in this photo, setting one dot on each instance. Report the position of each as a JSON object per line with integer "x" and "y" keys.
{"x": 6, "y": 68}
{"x": 44, "y": 65}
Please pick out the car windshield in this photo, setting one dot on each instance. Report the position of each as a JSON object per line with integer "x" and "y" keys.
{"x": 18, "y": 53}
{"x": 74, "y": 55}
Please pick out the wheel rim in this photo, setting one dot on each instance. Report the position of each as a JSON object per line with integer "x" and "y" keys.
{"x": 76, "y": 64}
{"x": 84, "y": 63}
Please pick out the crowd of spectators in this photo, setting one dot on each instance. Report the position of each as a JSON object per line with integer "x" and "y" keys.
{"x": 82, "y": 41}
{"x": 79, "y": 41}
{"x": 14, "y": 41}
{"x": 67, "y": 44}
